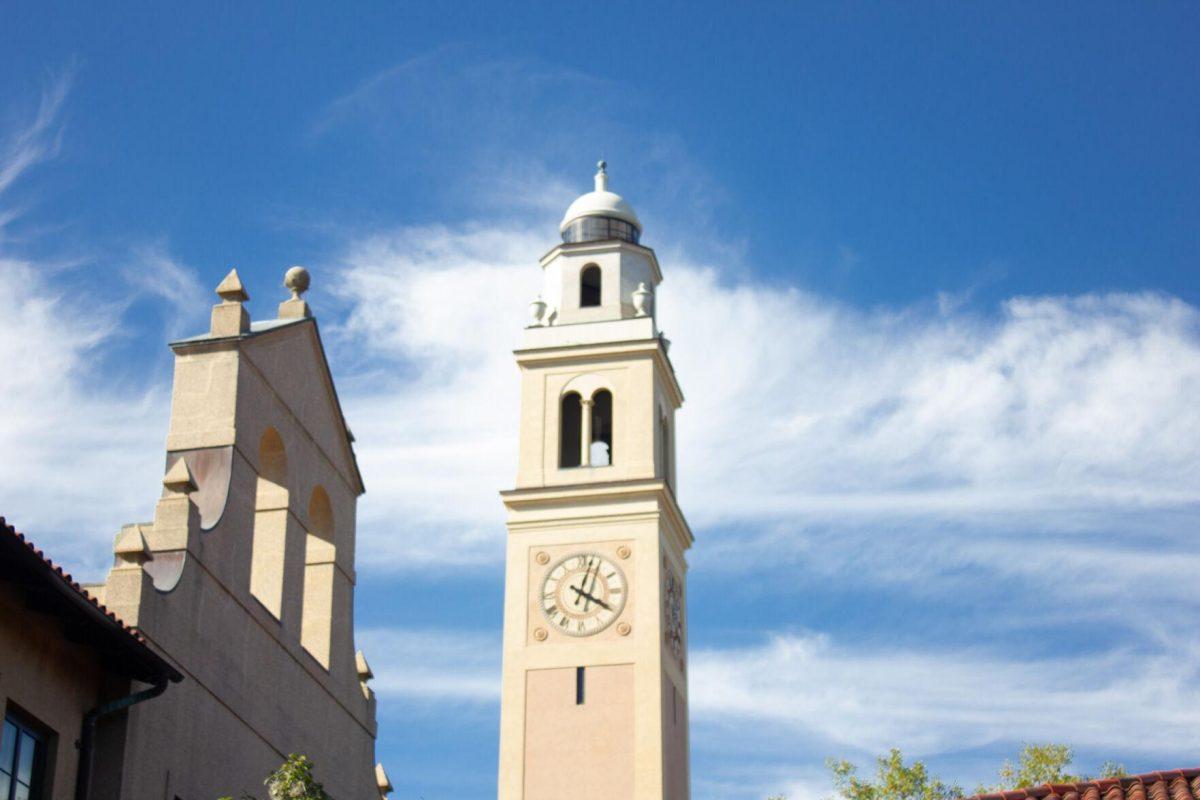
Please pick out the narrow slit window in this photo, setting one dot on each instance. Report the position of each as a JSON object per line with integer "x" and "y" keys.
{"x": 665, "y": 441}
{"x": 589, "y": 286}
{"x": 579, "y": 686}
{"x": 570, "y": 430}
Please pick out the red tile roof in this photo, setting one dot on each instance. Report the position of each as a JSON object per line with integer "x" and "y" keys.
{"x": 1180, "y": 784}
{"x": 20, "y": 558}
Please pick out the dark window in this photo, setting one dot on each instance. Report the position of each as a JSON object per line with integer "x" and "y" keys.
{"x": 589, "y": 287}
{"x": 602, "y": 435}
{"x": 571, "y": 430}
{"x": 579, "y": 686}
{"x": 599, "y": 229}
{"x": 22, "y": 752}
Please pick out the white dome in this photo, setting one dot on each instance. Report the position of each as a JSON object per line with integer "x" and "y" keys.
{"x": 600, "y": 203}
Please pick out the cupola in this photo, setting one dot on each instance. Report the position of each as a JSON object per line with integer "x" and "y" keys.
{"x": 600, "y": 215}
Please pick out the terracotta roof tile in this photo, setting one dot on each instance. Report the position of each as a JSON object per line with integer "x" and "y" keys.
{"x": 1179, "y": 784}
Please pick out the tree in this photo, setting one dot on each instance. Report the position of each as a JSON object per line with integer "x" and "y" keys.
{"x": 292, "y": 781}
{"x": 893, "y": 781}
{"x": 1047, "y": 763}
{"x": 1036, "y": 764}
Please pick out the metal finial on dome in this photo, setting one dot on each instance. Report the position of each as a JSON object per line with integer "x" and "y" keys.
{"x": 601, "y": 176}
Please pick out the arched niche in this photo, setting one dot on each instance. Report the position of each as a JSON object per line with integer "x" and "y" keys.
{"x": 320, "y": 555}
{"x": 269, "y": 538}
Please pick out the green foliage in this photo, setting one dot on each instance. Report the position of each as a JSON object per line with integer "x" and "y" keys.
{"x": 1038, "y": 764}
{"x": 1111, "y": 769}
{"x": 893, "y": 781}
{"x": 292, "y": 781}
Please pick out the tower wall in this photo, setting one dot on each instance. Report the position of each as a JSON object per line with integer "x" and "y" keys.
{"x": 594, "y": 697}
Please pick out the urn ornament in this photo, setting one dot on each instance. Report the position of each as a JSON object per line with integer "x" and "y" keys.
{"x": 537, "y": 312}
{"x": 641, "y": 300}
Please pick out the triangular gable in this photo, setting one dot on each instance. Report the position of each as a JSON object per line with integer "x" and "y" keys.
{"x": 293, "y": 356}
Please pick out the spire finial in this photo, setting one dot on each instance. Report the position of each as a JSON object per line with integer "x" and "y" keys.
{"x": 231, "y": 290}
{"x": 229, "y": 317}
{"x": 601, "y": 176}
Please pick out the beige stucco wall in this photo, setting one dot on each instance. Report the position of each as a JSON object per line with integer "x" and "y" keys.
{"x": 253, "y": 693}
{"x": 585, "y": 751}
{"x": 52, "y": 680}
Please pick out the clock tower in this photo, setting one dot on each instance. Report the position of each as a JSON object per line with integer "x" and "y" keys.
{"x": 594, "y": 699}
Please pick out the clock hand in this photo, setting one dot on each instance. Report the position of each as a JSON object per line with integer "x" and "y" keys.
{"x": 592, "y": 588}
{"x": 581, "y": 594}
{"x": 583, "y": 583}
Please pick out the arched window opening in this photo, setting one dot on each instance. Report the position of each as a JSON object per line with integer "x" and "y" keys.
{"x": 570, "y": 428}
{"x": 589, "y": 286}
{"x": 320, "y": 552}
{"x": 600, "y": 450}
{"x": 269, "y": 539}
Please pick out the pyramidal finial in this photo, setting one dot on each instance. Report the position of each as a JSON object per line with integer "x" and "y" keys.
{"x": 601, "y": 176}
{"x": 364, "y": 669}
{"x": 130, "y": 546}
{"x": 231, "y": 290}
{"x": 179, "y": 478}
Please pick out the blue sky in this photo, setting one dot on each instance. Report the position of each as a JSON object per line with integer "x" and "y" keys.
{"x": 930, "y": 279}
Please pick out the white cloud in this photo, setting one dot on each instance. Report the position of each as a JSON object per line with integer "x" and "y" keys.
{"x": 39, "y": 140}
{"x": 81, "y": 455}
{"x": 855, "y": 701}
{"x": 153, "y": 271}
{"x": 428, "y": 665}
{"x": 81, "y": 444}
{"x": 1054, "y": 412}
{"x": 435, "y": 315}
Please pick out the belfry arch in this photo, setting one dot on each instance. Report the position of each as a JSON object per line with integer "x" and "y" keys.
{"x": 269, "y": 537}
{"x": 320, "y": 552}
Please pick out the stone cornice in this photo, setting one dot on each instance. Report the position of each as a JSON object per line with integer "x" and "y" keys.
{"x": 576, "y": 496}
{"x": 608, "y": 351}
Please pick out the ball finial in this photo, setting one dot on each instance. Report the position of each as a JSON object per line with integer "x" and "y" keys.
{"x": 602, "y": 165}
{"x": 297, "y": 280}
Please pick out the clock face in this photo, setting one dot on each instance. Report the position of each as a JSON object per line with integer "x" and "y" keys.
{"x": 583, "y": 593}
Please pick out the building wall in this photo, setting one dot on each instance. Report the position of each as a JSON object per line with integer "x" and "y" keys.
{"x": 263, "y": 679}
{"x": 51, "y": 680}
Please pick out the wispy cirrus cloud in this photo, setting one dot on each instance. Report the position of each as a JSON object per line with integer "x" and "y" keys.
{"x": 39, "y": 139}
{"x": 427, "y": 665}
{"x": 1055, "y": 411}
{"x": 934, "y": 700}
{"x": 82, "y": 441}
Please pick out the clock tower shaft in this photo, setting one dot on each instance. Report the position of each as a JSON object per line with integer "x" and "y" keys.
{"x": 594, "y": 696}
